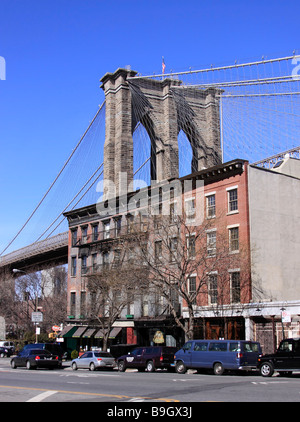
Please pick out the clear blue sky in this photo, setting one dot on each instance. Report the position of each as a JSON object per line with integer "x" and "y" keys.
{"x": 56, "y": 51}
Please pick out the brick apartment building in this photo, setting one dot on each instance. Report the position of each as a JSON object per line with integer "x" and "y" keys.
{"x": 257, "y": 209}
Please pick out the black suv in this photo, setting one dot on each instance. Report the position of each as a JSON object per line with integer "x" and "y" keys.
{"x": 148, "y": 358}
{"x": 285, "y": 360}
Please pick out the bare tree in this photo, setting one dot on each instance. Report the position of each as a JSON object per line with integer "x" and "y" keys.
{"x": 181, "y": 261}
{"x": 113, "y": 289}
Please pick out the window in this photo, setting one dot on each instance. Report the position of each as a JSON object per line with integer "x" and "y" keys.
{"x": 190, "y": 243}
{"x": 158, "y": 250}
{"x": 200, "y": 347}
{"x": 95, "y": 232}
{"x": 94, "y": 262}
{"x": 190, "y": 209}
{"x": 234, "y": 239}
{"x": 73, "y": 266}
{"x": 83, "y": 264}
{"x": 83, "y": 304}
{"x": 130, "y": 223}
{"x": 173, "y": 249}
{"x": 106, "y": 230}
{"x": 232, "y": 200}
{"x": 211, "y": 243}
{"x": 74, "y": 237}
{"x": 234, "y": 347}
{"x": 73, "y": 303}
{"x": 118, "y": 222}
{"x": 117, "y": 258}
{"x": 211, "y": 206}
{"x": 173, "y": 212}
{"x": 84, "y": 236}
{"x": 235, "y": 287}
{"x": 105, "y": 260}
{"x": 218, "y": 347}
{"x": 213, "y": 288}
{"x": 192, "y": 289}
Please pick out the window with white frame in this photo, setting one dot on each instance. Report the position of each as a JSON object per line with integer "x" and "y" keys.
{"x": 191, "y": 245}
{"x": 210, "y": 206}
{"x": 234, "y": 239}
{"x": 232, "y": 200}
{"x": 192, "y": 288}
{"x": 211, "y": 240}
{"x": 190, "y": 208}
{"x": 106, "y": 230}
{"x": 213, "y": 288}
{"x": 235, "y": 287}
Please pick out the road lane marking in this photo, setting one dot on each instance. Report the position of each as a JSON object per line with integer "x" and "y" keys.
{"x": 83, "y": 393}
{"x": 42, "y": 396}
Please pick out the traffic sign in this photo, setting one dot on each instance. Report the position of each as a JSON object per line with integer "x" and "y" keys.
{"x": 36, "y": 317}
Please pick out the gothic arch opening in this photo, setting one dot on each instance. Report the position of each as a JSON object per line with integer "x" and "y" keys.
{"x": 142, "y": 150}
{"x": 185, "y": 154}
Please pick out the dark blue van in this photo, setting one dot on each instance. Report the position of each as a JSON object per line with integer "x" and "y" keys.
{"x": 218, "y": 355}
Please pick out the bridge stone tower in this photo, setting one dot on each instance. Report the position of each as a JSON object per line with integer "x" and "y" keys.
{"x": 163, "y": 107}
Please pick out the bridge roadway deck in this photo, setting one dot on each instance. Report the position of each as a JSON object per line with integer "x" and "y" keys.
{"x": 38, "y": 254}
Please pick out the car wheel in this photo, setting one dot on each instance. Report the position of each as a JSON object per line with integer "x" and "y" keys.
{"x": 13, "y": 364}
{"x": 150, "y": 366}
{"x": 121, "y": 366}
{"x": 2, "y": 355}
{"x": 218, "y": 368}
{"x": 28, "y": 365}
{"x": 92, "y": 366}
{"x": 74, "y": 366}
{"x": 266, "y": 369}
{"x": 180, "y": 367}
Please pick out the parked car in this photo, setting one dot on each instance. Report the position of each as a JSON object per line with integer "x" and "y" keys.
{"x": 219, "y": 355}
{"x": 147, "y": 358}
{"x": 5, "y": 352}
{"x": 36, "y": 358}
{"x": 285, "y": 360}
{"x": 94, "y": 360}
{"x": 54, "y": 348}
{"x": 8, "y": 345}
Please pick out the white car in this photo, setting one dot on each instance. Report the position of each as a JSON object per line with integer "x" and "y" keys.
{"x": 94, "y": 360}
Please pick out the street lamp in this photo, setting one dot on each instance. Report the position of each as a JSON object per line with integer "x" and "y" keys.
{"x": 15, "y": 271}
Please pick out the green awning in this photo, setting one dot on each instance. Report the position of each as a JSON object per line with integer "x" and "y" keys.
{"x": 68, "y": 331}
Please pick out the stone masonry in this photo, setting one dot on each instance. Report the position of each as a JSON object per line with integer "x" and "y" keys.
{"x": 163, "y": 107}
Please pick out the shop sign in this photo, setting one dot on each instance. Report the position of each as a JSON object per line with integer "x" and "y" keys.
{"x": 158, "y": 337}
{"x": 285, "y": 316}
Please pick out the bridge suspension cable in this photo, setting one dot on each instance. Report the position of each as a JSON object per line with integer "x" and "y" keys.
{"x": 54, "y": 182}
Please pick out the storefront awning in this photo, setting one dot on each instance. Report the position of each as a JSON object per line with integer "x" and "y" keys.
{"x": 113, "y": 334}
{"x": 89, "y": 333}
{"x": 80, "y": 330}
{"x": 67, "y": 331}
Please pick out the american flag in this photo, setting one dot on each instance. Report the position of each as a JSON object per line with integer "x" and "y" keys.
{"x": 163, "y": 65}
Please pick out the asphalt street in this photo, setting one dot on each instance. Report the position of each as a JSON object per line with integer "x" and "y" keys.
{"x": 65, "y": 385}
